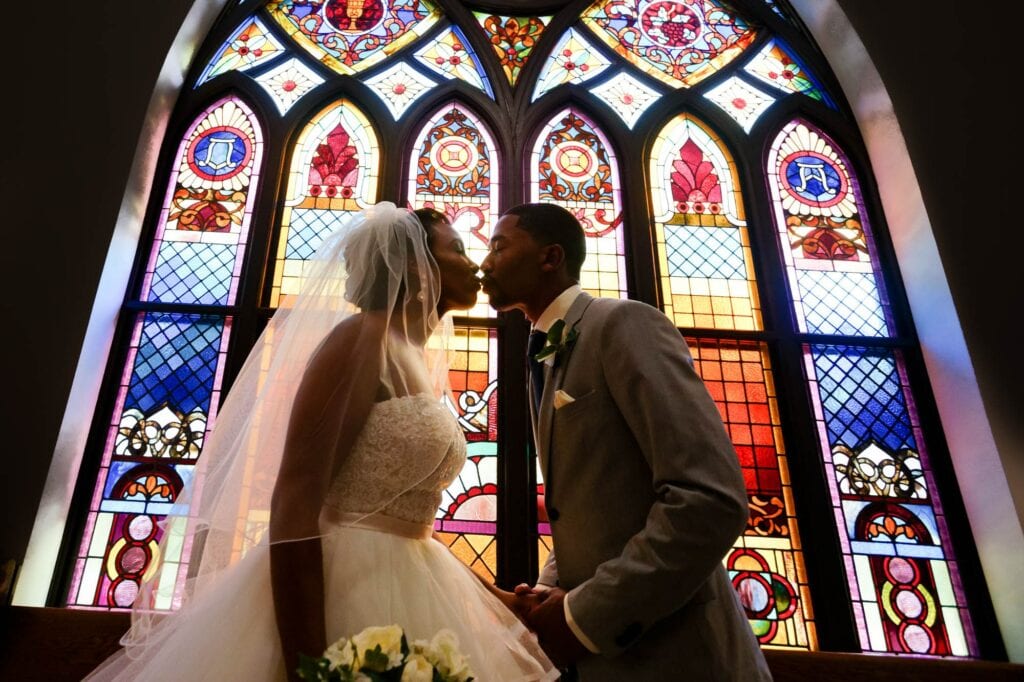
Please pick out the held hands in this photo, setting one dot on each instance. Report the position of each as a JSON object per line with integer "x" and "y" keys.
{"x": 543, "y": 611}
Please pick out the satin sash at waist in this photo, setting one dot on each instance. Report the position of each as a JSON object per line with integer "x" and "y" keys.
{"x": 378, "y": 522}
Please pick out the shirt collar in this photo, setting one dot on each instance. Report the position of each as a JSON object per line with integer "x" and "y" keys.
{"x": 557, "y": 309}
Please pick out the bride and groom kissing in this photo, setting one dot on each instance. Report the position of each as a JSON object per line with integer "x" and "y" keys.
{"x": 643, "y": 490}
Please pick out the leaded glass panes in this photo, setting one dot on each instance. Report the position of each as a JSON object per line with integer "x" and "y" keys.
{"x": 513, "y": 39}
{"x": 249, "y": 46}
{"x": 467, "y": 518}
{"x": 204, "y": 225}
{"x": 573, "y": 166}
{"x": 703, "y": 257}
{"x": 903, "y": 579}
{"x": 680, "y": 42}
{"x": 351, "y": 36}
{"x": 167, "y": 399}
{"x": 827, "y": 248}
{"x": 766, "y": 564}
{"x": 693, "y": 237}
{"x": 572, "y": 61}
{"x": 451, "y": 56}
{"x": 454, "y": 169}
{"x": 333, "y": 176}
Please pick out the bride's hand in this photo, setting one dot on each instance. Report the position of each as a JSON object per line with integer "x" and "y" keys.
{"x": 522, "y": 599}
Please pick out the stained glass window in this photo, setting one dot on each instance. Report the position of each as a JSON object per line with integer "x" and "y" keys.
{"x": 513, "y": 39}
{"x": 903, "y": 580}
{"x": 203, "y": 228}
{"x": 574, "y": 167}
{"x": 680, "y": 43}
{"x": 454, "y": 169}
{"x": 828, "y": 253}
{"x": 766, "y": 565}
{"x": 679, "y": 133}
{"x": 775, "y": 66}
{"x": 333, "y": 176}
{"x": 351, "y": 35}
{"x": 165, "y": 403}
{"x": 400, "y": 86}
{"x": 451, "y": 56}
{"x": 572, "y": 61}
{"x": 249, "y": 46}
{"x": 468, "y": 515}
{"x": 704, "y": 256}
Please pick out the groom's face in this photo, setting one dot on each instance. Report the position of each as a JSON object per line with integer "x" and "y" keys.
{"x": 512, "y": 266}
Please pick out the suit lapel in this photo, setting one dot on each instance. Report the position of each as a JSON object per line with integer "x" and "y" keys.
{"x": 554, "y": 375}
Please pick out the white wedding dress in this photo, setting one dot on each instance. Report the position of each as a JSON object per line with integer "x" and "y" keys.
{"x": 380, "y": 569}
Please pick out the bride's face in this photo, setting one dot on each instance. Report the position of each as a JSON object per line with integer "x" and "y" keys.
{"x": 459, "y": 283}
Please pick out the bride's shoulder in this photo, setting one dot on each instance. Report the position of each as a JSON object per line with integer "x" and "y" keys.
{"x": 353, "y": 337}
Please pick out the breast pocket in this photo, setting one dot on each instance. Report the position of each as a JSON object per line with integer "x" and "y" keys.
{"x": 579, "y": 405}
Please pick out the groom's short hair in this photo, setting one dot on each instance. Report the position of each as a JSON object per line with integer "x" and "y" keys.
{"x": 552, "y": 224}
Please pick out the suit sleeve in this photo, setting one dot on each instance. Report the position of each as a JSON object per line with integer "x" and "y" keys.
{"x": 700, "y": 505}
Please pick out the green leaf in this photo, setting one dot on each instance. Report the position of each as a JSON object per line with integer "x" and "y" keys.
{"x": 555, "y": 333}
{"x": 376, "y": 659}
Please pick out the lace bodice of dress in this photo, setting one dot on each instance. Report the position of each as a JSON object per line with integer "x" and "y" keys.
{"x": 409, "y": 451}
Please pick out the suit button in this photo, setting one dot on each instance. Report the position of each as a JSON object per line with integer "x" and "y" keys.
{"x": 552, "y": 514}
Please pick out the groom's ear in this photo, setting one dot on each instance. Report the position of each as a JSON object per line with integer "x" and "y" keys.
{"x": 552, "y": 257}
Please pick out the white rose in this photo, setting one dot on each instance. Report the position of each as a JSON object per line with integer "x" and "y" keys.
{"x": 445, "y": 654}
{"x": 340, "y": 654}
{"x": 388, "y": 638}
{"x": 417, "y": 669}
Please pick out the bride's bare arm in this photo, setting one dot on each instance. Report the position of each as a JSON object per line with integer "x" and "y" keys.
{"x": 519, "y": 604}
{"x": 332, "y": 404}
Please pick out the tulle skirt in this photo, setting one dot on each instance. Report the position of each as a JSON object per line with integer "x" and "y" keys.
{"x": 371, "y": 578}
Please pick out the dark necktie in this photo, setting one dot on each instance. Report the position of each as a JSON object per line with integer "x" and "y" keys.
{"x": 537, "y": 339}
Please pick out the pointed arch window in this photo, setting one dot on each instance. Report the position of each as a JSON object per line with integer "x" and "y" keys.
{"x": 690, "y": 138}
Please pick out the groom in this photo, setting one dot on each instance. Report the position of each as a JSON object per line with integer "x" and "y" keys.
{"x": 642, "y": 486}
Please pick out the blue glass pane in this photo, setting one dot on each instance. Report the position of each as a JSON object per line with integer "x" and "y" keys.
{"x": 176, "y": 363}
{"x": 862, "y": 398}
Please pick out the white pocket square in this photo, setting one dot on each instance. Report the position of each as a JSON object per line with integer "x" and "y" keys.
{"x": 562, "y": 399}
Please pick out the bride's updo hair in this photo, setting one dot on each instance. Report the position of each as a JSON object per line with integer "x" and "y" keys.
{"x": 381, "y": 262}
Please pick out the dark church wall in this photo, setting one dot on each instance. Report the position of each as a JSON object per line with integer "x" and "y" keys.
{"x": 77, "y": 91}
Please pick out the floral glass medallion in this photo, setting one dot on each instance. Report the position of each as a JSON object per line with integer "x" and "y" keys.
{"x": 627, "y": 96}
{"x": 451, "y": 56}
{"x": 250, "y": 45}
{"x": 288, "y": 83}
{"x": 351, "y": 35}
{"x": 742, "y": 102}
{"x": 572, "y": 61}
{"x": 680, "y": 42}
{"x": 513, "y": 39}
{"x": 399, "y": 87}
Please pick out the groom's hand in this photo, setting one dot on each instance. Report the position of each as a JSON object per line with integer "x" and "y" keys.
{"x": 522, "y": 600}
{"x": 547, "y": 619}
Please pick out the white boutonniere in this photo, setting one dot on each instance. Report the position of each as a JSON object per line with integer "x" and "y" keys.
{"x": 559, "y": 341}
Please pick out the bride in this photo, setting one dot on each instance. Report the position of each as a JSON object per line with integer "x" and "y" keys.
{"x": 312, "y": 518}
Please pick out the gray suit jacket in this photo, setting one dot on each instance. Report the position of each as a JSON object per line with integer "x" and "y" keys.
{"x": 645, "y": 497}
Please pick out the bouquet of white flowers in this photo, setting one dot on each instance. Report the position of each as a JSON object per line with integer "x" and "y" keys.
{"x": 382, "y": 654}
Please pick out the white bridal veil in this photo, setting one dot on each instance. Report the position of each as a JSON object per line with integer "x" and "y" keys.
{"x": 362, "y": 329}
